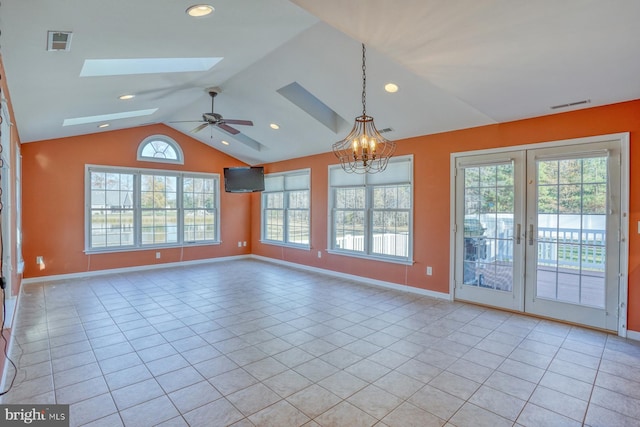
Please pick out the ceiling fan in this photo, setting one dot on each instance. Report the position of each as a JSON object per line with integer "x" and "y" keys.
{"x": 215, "y": 119}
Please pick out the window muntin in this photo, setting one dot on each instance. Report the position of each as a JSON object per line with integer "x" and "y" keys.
{"x": 371, "y": 215}
{"x": 161, "y": 149}
{"x": 286, "y": 209}
{"x": 131, "y": 209}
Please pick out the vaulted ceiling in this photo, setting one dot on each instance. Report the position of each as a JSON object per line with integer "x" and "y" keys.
{"x": 458, "y": 64}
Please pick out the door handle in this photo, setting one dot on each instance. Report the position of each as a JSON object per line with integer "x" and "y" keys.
{"x": 518, "y": 234}
{"x": 531, "y": 234}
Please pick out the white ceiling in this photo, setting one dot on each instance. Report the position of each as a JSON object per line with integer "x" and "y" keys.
{"x": 459, "y": 64}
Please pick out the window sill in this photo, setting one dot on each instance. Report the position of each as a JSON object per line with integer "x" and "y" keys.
{"x": 286, "y": 245}
{"x": 371, "y": 257}
{"x": 147, "y": 248}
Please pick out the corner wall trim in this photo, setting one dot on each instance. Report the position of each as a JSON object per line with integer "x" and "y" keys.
{"x": 129, "y": 269}
{"x": 364, "y": 280}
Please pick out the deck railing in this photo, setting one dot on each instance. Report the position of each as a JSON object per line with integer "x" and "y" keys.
{"x": 568, "y": 247}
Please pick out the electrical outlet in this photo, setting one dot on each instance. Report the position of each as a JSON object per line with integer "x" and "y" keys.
{"x": 39, "y": 260}
{"x": 157, "y": 255}
{"x": 429, "y": 271}
{"x": 244, "y": 243}
{"x": 319, "y": 254}
{"x": 239, "y": 244}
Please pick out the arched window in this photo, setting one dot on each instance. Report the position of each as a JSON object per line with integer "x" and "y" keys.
{"x": 161, "y": 149}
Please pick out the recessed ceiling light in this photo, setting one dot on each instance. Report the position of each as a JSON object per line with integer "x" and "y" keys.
{"x": 274, "y": 126}
{"x": 391, "y": 87}
{"x": 103, "y": 125}
{"x": 199, "y": 10}
{"x": 127, "y": 96}
{"x": 224, "y": 142}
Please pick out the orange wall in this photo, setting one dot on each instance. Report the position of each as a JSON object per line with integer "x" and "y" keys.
{"x": 432, "y": 190}
{"x": 53, "y": 200}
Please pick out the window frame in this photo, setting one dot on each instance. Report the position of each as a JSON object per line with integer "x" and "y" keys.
{"x": 285, "y": 209}
{"x": 370, "y": 183}
{"x": 138, "y": 244}
{"x": 163, "y": 138}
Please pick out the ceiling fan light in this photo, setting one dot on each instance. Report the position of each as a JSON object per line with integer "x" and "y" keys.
{"x": 199, "y": 10}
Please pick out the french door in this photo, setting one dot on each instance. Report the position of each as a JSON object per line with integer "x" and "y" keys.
{"x": 537, "y": 231}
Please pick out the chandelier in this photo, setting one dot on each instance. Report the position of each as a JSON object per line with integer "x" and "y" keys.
{"x": 364, "y": 150}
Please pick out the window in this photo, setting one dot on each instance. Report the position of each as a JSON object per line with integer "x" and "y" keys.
{"x": 200, "y": 213}
{"x": 371, "y": 214}
{"x": 159, "y": 209}
{"x": 130, "y": 208}
{"x": 161, "y": 149}
{"x": 285, "y": 208}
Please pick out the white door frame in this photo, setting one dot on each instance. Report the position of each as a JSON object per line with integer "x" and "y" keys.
{"x": 7, "y": 194}
{"x": 623, "y": 138}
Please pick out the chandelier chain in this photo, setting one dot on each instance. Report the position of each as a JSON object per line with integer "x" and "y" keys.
{"x": 364, "y": 82}
{"x": 364, "y": 150}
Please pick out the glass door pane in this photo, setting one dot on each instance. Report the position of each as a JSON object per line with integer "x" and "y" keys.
{"x": 488, "y": 227}
{"x": 572, "y": 226}
{"x": 487, "y": 250}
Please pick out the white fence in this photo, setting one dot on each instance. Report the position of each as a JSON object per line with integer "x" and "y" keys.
{"x": 393, "y": 244}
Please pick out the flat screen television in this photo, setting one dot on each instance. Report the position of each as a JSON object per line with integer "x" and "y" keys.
{"x": 244, "y": 179}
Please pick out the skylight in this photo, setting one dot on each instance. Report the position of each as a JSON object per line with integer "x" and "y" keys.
{"x": 309, "y": 103}
{"x": 119, "y": 67}
{"x": 107, "y": 117}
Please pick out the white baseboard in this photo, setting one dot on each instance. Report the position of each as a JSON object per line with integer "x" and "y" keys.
{"x": 364, "y": 280}
{"x": 128, "y": 269}
{"x": 633, "y": 335}
{"x": 12, "y": 307}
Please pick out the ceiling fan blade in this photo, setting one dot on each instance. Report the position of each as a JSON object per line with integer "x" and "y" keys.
{"x": 239, "y": 122}
{"x": 199, "y": 128}
{"x": 228, "y": 129}
{"x": 187, "y": 121}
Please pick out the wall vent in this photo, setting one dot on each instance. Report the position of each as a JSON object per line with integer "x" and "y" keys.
{"x": 570, "y": 104}
{"x": 58, "y": 40}
{"x": 385, "y": 130}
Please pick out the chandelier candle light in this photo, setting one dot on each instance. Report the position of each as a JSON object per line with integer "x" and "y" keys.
{"x": 364, "y": 150}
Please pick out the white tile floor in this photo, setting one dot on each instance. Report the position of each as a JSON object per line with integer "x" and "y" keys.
{"x": 251, "y": 343}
